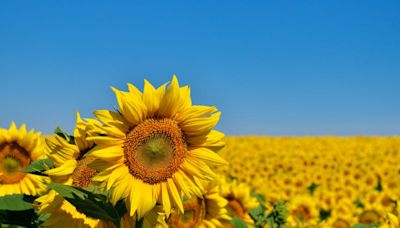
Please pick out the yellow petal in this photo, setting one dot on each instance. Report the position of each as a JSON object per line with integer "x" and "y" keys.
{"x": 175, "y": 194}
{"x": 165, "y": 199}
{"x": 169, "y": 105}
{"x": 200, "y": 126}
{"x": 107, "y": 153}
{"x": 208, "y": 156}
{"x": 212, "y": 139}
{"x": 150, "y": 98}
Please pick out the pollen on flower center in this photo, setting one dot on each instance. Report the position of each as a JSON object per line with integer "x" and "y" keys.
{"x": 83, "y": 174}
{"x": 154, "y": 150}
{"x": 10, "y": 164}
{"x": 235, "y": 208}
{"x": 12, "y": 159}
{"x": 195, "y": 213}
{"x": 369, "y": 216}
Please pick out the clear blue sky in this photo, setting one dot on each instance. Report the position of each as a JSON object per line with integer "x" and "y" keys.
{"x": 271, "y": 67}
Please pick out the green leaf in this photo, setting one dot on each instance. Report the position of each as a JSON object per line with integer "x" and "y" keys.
{"x": 324, "y": 214}
{"x": 25, "y": 218}
{"x": 379, "y": 186}
{"x": 312, "y": 188}
{"x": 60, "y": 132}
{"x": 260, "y": 199}
{"x": 139, "y": 223}
{"x": 38, "y": 166}
{"x": 271, "y": 223}
{"x": 238, "y": 223}
{"x": 358, "y": 203}
{"x": 93, "y": 205}
{"x": 360, "y": 226}
{"x": 255, "y": 213}
{"x": 279, "y": 214}
{"x": 121, "y": 208}
{"x": 16, "y": 202}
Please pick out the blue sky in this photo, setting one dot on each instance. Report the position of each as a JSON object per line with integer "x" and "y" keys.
{"x": 271, "y": 67}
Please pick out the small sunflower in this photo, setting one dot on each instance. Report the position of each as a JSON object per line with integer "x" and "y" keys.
{"x": 369, "y": 216}
{"x": 302, "y": 209}
{"x": 70, "y": 169}
{"x": 390, "y": 221}
{"x": 240, "y": 201}
{"x": 209, "y": 210}
{"x": 19, "y": 148}
{"x": 156, "y": 147}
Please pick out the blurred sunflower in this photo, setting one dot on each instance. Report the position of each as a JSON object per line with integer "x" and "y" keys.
{"x": 19, "y": 148}
{"x": 209, "y": 210}
{"x": 302, "y": 209}
{"x": 393, "y": 219}
{"x": 156, "y": 147}
{"x": 240, "y": 201}
{"x": 71, "y": 169}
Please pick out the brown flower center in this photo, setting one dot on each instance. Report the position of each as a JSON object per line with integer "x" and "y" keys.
{"x": 303, "y": 213}
{"x": 340, "y": 223}
{"x": 82, "y": 175}
{"x": 235, "y": 207}
{"x": 13, "y": 158}
{"x": 195, "y": 213}
{"x": 369, "y": 216}
{"x": 154, "y": 150}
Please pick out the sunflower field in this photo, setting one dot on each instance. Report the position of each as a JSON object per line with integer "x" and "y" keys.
{"x": 157, "y": 161}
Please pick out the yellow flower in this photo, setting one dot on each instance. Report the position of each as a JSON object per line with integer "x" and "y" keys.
{"x": 240, "y": 201}
{"x": 369, "y": 216}
{"x": 156, "y": 147}
{"x": 209, "y": 210}
{"x": 302, "y": 209}
{"x": 19, "y": 148}
{"x": 70, "y": 169}
{"x": 391, "y": 221}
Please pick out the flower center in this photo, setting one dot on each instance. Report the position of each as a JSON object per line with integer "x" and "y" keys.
{"x": 154, "y": 150}
{"x": 82, "y": 175}
{"x": 340, "y": 223}
{"x": 235, "y": 208}
{"x": 195, "y": 213}
{"x": 10, "y": 164}
{"x": 303, "y": 213}
{"x": 13, "y": 158}
{"x": 369, "y": 216}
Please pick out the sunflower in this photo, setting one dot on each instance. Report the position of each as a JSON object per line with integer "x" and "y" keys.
{"x": 302, "y": 209}
{"x": 156, "y": 147}
{"x": 369, "y": 216}
{"x": 240, "y": 201}
{"x": 70, "y": 169}
{"x": 390, "y": 221}
{"x": 19, "y": 148}
{"x": 209, "y": 210}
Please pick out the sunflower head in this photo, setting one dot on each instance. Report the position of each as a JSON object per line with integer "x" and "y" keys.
{"x": 19, "y": 148}
{"x": 71, "y": 166}
{"x": 210, "y": 210}
{"x": 156, "y": 142}
{"x": 240, "y": 200}
{"x": 369, "y": 216}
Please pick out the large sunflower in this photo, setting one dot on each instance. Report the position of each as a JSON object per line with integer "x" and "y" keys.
{"x": 19, "y": 148}
{"x": 156, "y": 147}
{"x": 70, "y": 169}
